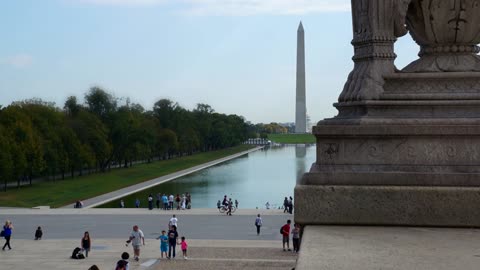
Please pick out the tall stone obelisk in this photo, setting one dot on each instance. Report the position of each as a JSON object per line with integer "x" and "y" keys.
{"x": 301, "y": 108}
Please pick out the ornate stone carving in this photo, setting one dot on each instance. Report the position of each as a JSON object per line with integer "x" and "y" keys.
{"x": 448, "y": 32}
{"x": 376, "y": 25}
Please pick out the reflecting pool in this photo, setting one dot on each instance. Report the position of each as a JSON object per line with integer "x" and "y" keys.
{"x": 267, "y": 175}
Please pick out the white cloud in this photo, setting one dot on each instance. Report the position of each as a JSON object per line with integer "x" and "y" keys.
{"x": 269, "y": 7}
{"x": 237, "y": 7}
{"x": 20, "y": 61}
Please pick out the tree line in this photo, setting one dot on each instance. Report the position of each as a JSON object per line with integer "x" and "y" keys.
{"x": 38, "y": 139}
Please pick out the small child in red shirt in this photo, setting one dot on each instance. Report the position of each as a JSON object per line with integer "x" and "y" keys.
{"x": 184, "y": 247}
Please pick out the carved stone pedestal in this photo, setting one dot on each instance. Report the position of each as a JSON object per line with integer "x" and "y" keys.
{"x": 412, "y": 157}
{"x": 420, "y": 175}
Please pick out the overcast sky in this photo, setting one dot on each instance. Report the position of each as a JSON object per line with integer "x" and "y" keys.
{"x": 236, "y": 55}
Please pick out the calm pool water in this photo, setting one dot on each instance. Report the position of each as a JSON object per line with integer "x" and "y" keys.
{"x": 265, "y": 175}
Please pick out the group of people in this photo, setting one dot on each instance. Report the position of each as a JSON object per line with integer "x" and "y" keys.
{"x": 168, "y": 241}
{"x": 285, "y": 231}
{"x": 288, "y": 205}
{"x": 295, "y": 232}
{"x": 165, "y": 202}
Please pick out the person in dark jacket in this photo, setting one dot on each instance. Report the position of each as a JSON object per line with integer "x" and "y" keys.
{"x": 38, "y": 233}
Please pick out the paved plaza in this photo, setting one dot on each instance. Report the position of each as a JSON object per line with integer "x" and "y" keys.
{"x": 216, "y": 241}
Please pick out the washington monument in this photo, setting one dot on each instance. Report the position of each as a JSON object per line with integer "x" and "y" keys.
{"x": 300, "y": 109}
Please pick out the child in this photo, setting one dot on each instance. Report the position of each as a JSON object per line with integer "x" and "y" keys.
{"x": 123, "y": 263}
{"x": 163, "y": 243}
{"x": 38, "y": 233}
{"x": 296, "y": 237}
{"x": 184, "y": 246}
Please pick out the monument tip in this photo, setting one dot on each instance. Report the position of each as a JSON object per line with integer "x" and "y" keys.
{"x": 300, "y": 26}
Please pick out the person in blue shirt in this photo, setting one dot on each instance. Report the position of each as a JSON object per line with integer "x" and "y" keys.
{"x": 137, "y": 203}
{"x": 165, "y": 202}
{"x": 7, "y": 233}
{"x": 163, "y": 243}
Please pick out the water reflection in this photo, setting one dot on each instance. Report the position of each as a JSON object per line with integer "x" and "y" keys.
{"x": 300, "y": 154}
{"x": 253, "y": 179}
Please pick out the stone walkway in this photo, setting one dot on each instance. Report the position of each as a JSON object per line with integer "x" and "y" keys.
{"x": 389, "y": 248}
{"x": 114, "y": 195}
{"x": 203, "y": 254}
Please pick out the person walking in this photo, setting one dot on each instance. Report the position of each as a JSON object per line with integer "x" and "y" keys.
{"x": 172, "y": 241}
{"x": 229, "y": 208}
{"x": 285, "y": 205}
{"x": 38, "y": 233}
{"x": 290, "y": 205}
{"x": 136, "y": 238}
{"x": 258, "y": 223}
{"x": 163, "y": 244}
{"x": 286, "y": 235}
{"x": 7, "y": 234}
{"x": 173, "y": 221}
{"x": 296, "y": 237}
{"x": 236, "y": 203}
{"x": 184, "y": 247}
{"x": 86, "y": 243}
{"x": 122, "y": 204}
{"x": 150, "y": 202}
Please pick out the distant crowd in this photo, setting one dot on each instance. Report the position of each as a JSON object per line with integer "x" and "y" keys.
{"x": 165, "y": 202}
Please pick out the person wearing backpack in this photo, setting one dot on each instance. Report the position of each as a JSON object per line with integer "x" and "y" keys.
{"x": 258, "y": 223}
{"x": 285, "y": 231}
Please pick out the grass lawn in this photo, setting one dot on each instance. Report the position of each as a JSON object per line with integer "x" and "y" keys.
{"x": 292, "y": 138}
{"x": 64, "y": 192}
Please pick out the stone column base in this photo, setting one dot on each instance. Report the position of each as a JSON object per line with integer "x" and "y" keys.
{"x": 387, "y": 205}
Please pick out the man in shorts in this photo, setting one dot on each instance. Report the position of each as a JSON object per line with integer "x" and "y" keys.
{"x": 286, "y": 235}
{"x": 136, "y": 238}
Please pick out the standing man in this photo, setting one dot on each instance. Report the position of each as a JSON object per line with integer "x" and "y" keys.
{"x": 258, "y": 223}
{"x": 172, "y": 241}
{"x": 137, "y": 238}
{"x": 286, "y": 235}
